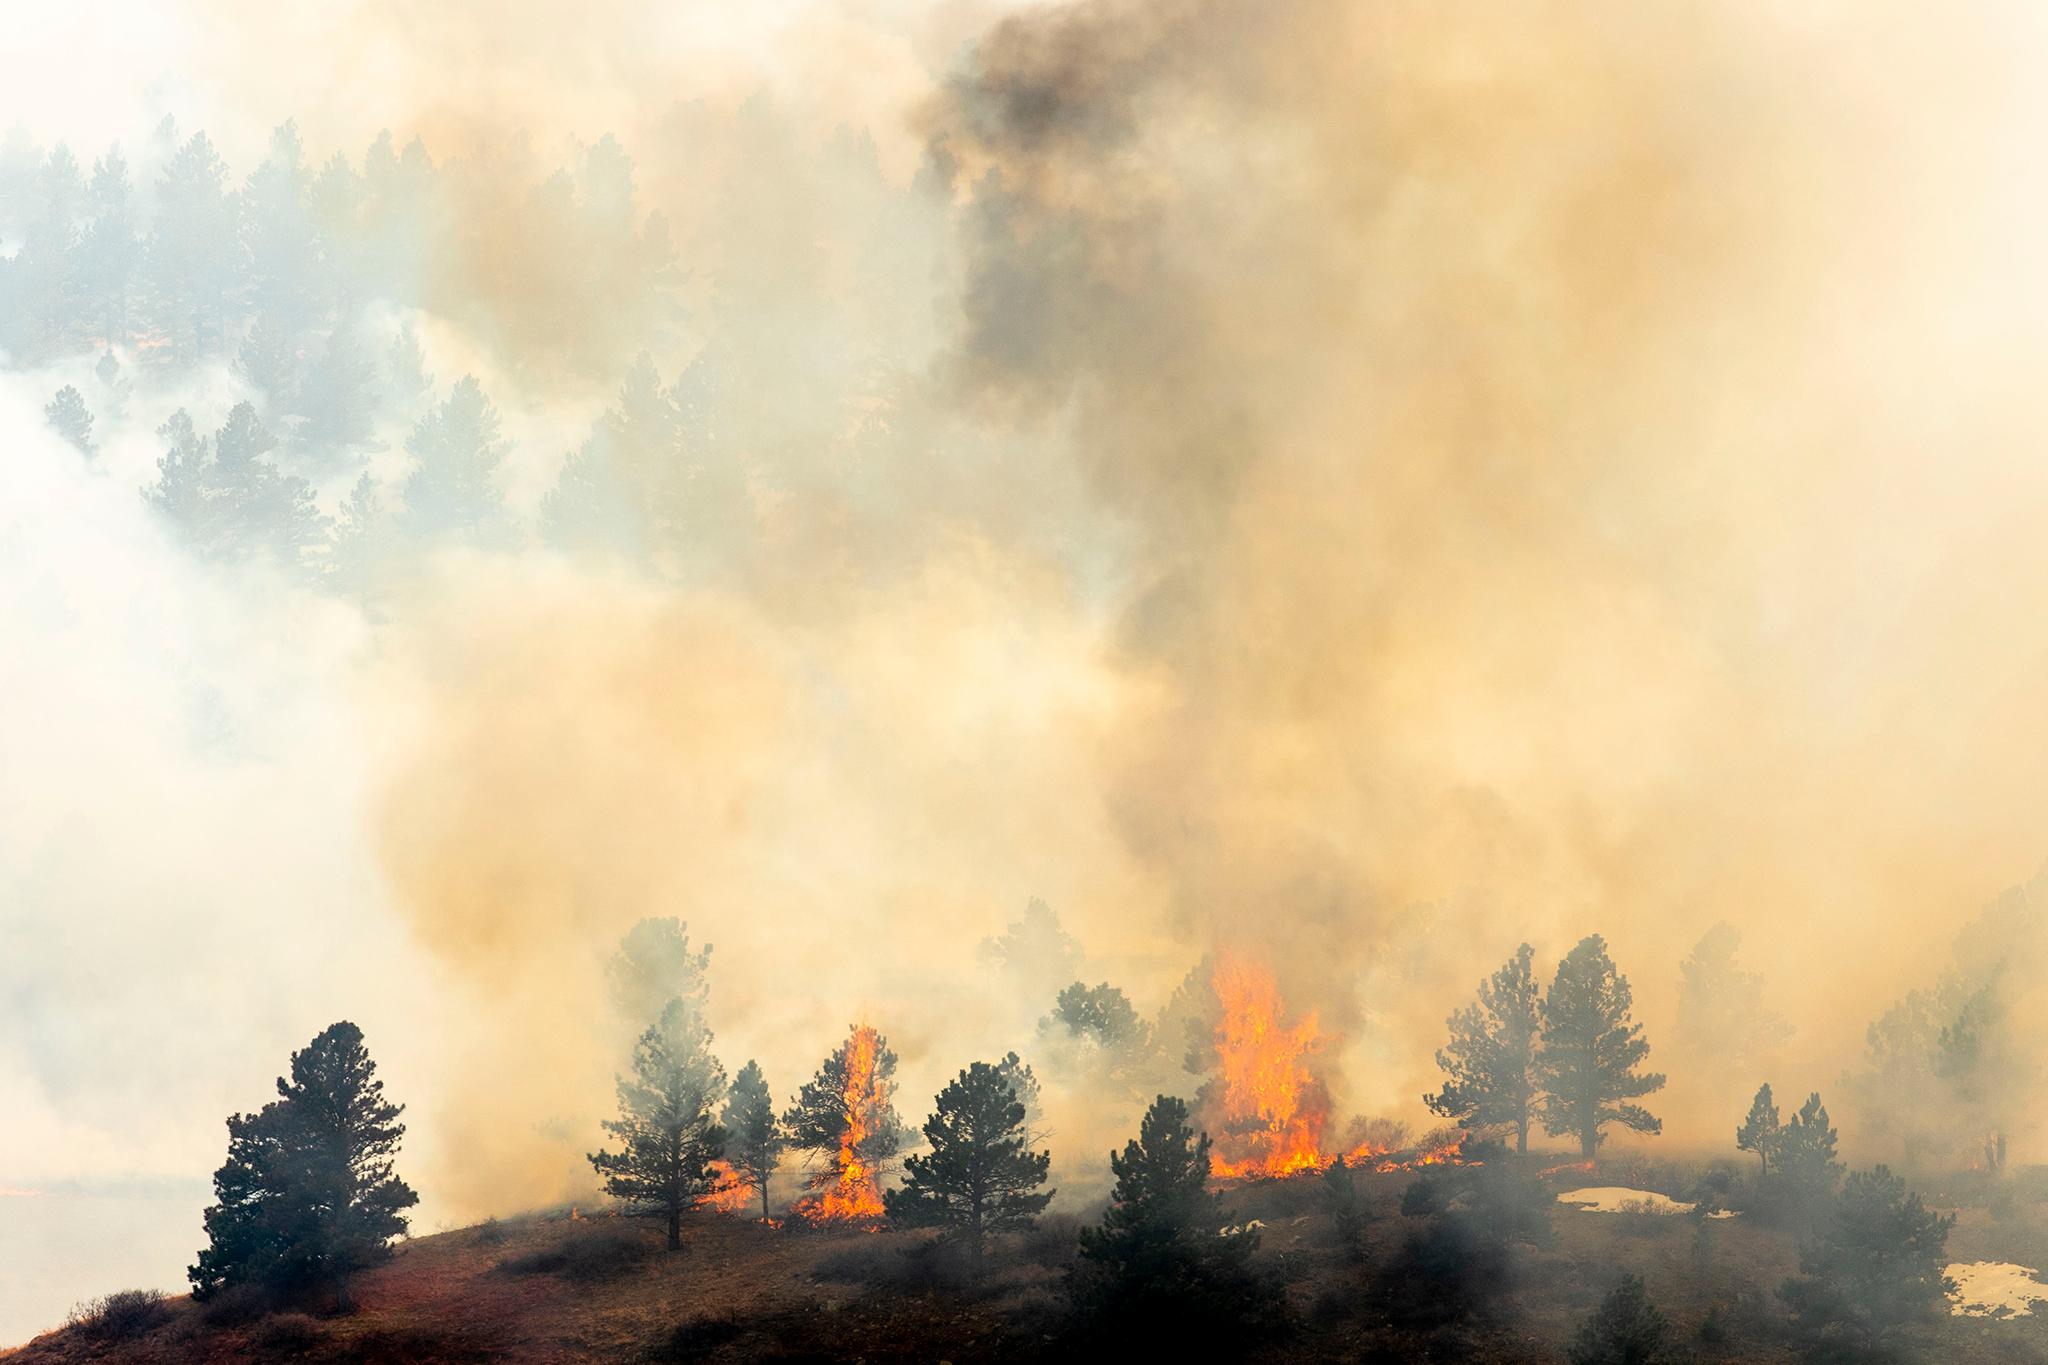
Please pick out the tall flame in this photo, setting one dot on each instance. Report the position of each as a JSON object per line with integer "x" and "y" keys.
{"x": 851, "y": 1191}
{"x": 1271, "y": 1107}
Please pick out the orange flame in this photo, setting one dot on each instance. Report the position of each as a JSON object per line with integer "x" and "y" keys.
{"x": 730, "y": 1191}
{"x": 1272, "y": 1107}
{"x": 1563, "y": 1167}
{"x": 851, "y": 1191}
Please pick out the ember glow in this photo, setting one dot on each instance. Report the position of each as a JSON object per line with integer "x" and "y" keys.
{"x": 850, "y": 1190}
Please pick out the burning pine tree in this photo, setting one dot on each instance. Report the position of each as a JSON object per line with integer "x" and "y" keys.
{"x": 1266, "y": 1105}
{"x": 843, "y": 1117}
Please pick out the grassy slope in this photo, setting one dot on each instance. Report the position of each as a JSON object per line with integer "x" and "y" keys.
{"x": 743, "y": 1292}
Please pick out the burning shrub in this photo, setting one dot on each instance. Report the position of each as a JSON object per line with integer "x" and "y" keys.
{"x": 1627, "y": 1329}
{"x": 1267, "y": 1106}
{"x": 120, "y": 1316}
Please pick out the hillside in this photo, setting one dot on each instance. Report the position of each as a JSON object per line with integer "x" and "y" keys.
{"x": 557, "y": 1288}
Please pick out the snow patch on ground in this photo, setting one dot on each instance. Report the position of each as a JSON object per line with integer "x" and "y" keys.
{"x": 1621, "y": 1199}
{"x": 1995, "y": 1289}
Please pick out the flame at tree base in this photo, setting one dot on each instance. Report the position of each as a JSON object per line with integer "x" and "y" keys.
{"x": 730, "y": 1192}
{"x": 849, "y": 1193}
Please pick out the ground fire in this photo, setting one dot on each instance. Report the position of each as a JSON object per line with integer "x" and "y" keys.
{"x": 1269, "y": 1107}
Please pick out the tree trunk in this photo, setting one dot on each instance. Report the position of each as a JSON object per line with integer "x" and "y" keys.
{"x": 764, "y": 1198}
{"x": 675, "y": 1228}
{"x": 1522, "y": 1137}
{"x": 1589, "y": 1141}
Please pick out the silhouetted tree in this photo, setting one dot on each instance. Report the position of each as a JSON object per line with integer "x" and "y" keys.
{"x": 1590, "y": 1051}
{"x": 1876, "y": 1268}
{"x": 307, "y": 1195}
{"x": 753, "y": 1138}
{"x": 1489, "y": 1064}
{"x": 1805, "y": 1152}
{"x": 665, "y": 1129}
{"x": 1627, "y": 1329}
{"x": 1165, "y": 1251}
{"x": 981, "y": 1175}
{"x": 1759, "y": 1130}
{"x": 67, "y": 416}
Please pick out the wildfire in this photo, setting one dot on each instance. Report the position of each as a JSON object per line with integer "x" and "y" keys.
{"x": 729, "y": 1193}
{"x": 1271, "y": 1107}
{"x": 1565, "y": 1167}
{"x": 850, "y": 1192}
{"x": 1268, "y": 1110}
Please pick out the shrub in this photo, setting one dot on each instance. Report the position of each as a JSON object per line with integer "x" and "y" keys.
{"x": 1626, "y": 1329}
{"x": 1054, "y": 1242}
{"x": 286, "y": 1335}
{"x": 698, "y": 1339}
{"x": 1424, "y": 1196}
{"x": 120, "y": 1316}
{"x": 590, "y": 1257}
{"x": 1876, "y": 1267}
{"x": 1446, "y": 1270}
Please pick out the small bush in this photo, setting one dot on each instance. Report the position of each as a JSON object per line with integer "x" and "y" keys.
{"x": 120, "y": 1316}
{"x": 1627, "y": 1329}
{"x": 1053, "y": 1240}
{"x": 490, "y": 1232}
{"x": 585, "y": 1257}
{"x": 1422, "y": 1197}
{"x": 698, "y": 1339}
{"x": 286, "y": 1336}
{"x": 239, "y": 1305}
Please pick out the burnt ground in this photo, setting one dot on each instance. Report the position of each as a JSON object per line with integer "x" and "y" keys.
{"x": 547, "y": 1288}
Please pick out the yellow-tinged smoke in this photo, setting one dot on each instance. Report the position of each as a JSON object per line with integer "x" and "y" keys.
{"x": 1473, "y": 472}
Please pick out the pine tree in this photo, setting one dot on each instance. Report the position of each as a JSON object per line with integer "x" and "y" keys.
{"x": 655, "y": 964}
{"x": 1590, "y": 1051}
{"x": 453, "y": 487}
{"x": 981, "y": 1175}
{"x": 338, "y": 397}
{"x": 843, "y": 1117}
{"x": 1165, "y": 1248}
{"x": 194, "y": 254}
{"x": 307, "y": 1195}
{"x": 667, "y": 1136}
{"x": 1627, "y": 1329}
{"x": 226, "y": 497}
{"x": 1490, "y": 1062}
{"x": 66, "y": 413}
{"x": 753, "y": 1137}
{"x": 1805, "y": 1151}
{"x": 111, "y": 249}
{"x": 1876, "y": 1268}
{"x": 1035, "y": 949}
{"x": 406, "y": 369}
{"x": 1759, "y": 1131}
{"x": 1724, "y": 1027}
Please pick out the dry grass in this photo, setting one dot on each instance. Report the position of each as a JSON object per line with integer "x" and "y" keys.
{"x": 555, "y": 1290}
